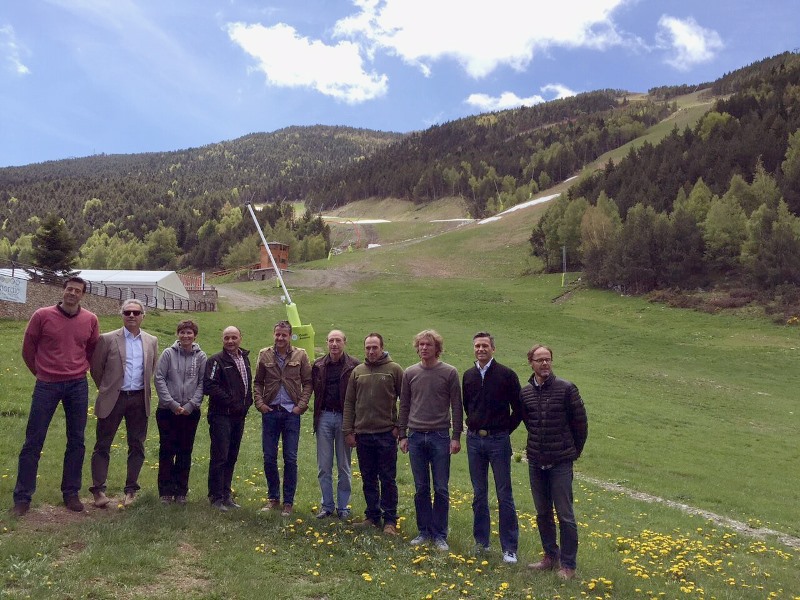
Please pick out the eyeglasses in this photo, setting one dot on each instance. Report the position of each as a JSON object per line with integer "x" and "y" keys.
{"x": 131, "y": 313}
{"x": 540, "y": 361}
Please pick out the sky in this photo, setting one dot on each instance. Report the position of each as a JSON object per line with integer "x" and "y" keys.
{"x": 84, "y": 77}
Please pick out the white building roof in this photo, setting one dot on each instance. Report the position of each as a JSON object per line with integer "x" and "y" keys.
{"x": 163, "y": 280}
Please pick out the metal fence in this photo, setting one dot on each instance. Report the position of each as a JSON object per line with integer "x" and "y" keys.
{"x": 120, "y": 293}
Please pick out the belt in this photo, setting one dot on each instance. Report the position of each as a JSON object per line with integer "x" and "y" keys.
{"x": 486, "y": 432}
{"x": 130, "y": 392}
{"x": 330, "y": 410}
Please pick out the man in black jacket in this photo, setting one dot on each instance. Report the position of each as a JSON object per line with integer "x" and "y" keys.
{"x": 553, "y": 413}
{"x": 227, "y": 384}
{"x": 492, "y": 406}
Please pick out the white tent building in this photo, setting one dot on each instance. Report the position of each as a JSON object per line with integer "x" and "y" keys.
{"x": 154, "y": 288}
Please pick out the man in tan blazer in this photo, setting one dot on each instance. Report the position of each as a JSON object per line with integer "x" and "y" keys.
{"x": 122, "y": 368}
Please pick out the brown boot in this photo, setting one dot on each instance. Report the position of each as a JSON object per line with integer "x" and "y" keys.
{"x": 566, "y": 573}
{"x": 100, "y": 499}
{"x": 548, "y": 563}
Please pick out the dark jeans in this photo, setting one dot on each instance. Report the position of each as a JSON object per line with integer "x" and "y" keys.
{"x": 274, "y": 425}
{"x": 377, "y": 461}
{"x": 131, "y": 408}
{"x": 226, "y": 437}
{"x": 494, "y": 451}
{"x": 552, "y": 488}
{"x": 176, "y": 440}
{"x": 74, "y": 395}
{"x": 429, "y": 454}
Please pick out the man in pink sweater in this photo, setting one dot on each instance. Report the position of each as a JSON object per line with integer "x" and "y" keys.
{"x": 58, "y": 345}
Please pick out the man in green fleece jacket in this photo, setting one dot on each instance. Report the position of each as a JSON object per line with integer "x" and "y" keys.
{"x": 370, "y": 426}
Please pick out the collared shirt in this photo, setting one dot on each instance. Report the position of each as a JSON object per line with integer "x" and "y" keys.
{"x": 282, "y": 397}
{"x": 482, "y": 370}
{"x": 134, "y": 362}
{"x": 240, "y": 364}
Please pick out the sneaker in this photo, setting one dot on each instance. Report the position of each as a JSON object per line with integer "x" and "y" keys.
{"x": 231, "y": 503}
{"x": 130, "y": 498}
{"x": 287, "y": 510}
{"x": 548, "y": 563}
{"x": 73, "y": 503}
{"x": 272, "y": 504}
{"x": 323, "y": 514}
{"x": 441, "y": 545}
{"x": 100, "y": 499}
{"x": 479, "y": 549}
{"x": 220, "y": 506}
{"x": 390, "y": 529}
{"x": 20, "y": 508}
{"x": 510, "y": 558}
{"x": 343, "y": 513}
{"x": 566, "y": 573}
{"x": 180, "y": 500}
{"x": 167, "y": 499}
{"x": 419, "y": 540}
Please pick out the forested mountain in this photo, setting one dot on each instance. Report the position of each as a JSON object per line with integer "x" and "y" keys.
{"x": 715, "y": 203}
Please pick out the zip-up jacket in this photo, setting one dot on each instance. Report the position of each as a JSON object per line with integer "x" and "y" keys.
{"x": 295, "y": 378}
{"x": 319, "y": 373}
{"x": 227, "y": 393}
{"x": 491, "y": 402}
{"x": 370, "y": 405}
{"x": 179, "y": 378}
{"x": 556, "y": 420}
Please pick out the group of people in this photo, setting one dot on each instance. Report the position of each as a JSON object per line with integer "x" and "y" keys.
{"x": 374, "y": 406}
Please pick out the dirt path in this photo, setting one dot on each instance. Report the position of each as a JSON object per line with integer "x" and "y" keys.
{"x": 739, "y": 527}
{"x": 244, "y": 300}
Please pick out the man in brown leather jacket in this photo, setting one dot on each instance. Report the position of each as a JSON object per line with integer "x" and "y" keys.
{"x": 282, "y": 389}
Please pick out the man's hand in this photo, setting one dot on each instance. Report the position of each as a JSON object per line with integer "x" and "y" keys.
{"x": 296, "y": 410}
{"x": 455, "y": 446}
{"x": 350, "y": 440}
{"x": 404, "y": 445}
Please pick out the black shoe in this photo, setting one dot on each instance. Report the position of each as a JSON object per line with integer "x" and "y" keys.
{"x": 323, "y": 514}
{"x": 73, "y": 503}
{"x": 229, "y": 503}
{"x": 20, "y": 508}
{"x": 220, "y": 506}
{"x": 180, "y": 500}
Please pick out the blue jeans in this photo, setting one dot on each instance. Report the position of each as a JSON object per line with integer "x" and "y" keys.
{"x": 226, "y": 439}
{"x": 429, "y": 454}
{"x": 330, "y": 440}
{"x": 494, "y": 451}
{"x": 274, "y": 425}
{"x": 552, "y": 488}
{"x": 377, "y": 460}
{"x": 74, "y": 395}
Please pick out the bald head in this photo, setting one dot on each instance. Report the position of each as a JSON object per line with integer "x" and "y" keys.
{"x": 337, "y": 341}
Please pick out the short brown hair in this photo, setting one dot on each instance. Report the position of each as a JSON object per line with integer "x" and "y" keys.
{"x": 375, "y": 335}
{"x": 282, "y": 325}
{"x": 187, "y": 325}
{"x": 76, "y": 279}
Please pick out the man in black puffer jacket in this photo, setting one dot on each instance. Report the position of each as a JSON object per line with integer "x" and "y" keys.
{"x": 554, "y": 415}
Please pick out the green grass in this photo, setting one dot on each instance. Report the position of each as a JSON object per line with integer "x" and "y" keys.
{"x": 683, "y": 405}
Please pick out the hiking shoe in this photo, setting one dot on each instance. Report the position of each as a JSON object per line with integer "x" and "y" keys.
{"x": 100, "y": 499}
{"x": 441, "y": 544}
{"x": 167, "y": 499}
{"x": 479, "y": 549}
{"x": 343, "y": 513}
{"x": 20, "y": 508}
{"x": 566, "y": 573}
{"x": 287, "y": 510}
{"x": 510, "y": 558}
{"x": 73, "y": 503}
{"x": 366, "y": 523}
{"x": 231, "y": 503}
{"x": 272, "y": 504}
{"x": 323, "y": 514}
{"x": 390, "y": 529}
{"x": 419, "y": 540}
{"x": 548, "y": 563}
{"x": 220, "y": 506}
{"x": 179, "y": 499}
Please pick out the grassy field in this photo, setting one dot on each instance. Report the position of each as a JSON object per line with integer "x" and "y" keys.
{"x": 695, "y": 408}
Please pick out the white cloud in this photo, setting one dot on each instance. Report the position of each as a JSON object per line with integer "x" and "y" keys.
{"x": 10, "y": 51}
{"x": 480, "y": 36}
{"x": 507, "y": 100}
{"x": 688, "y": 42}
{"x": 290, "y": 60}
